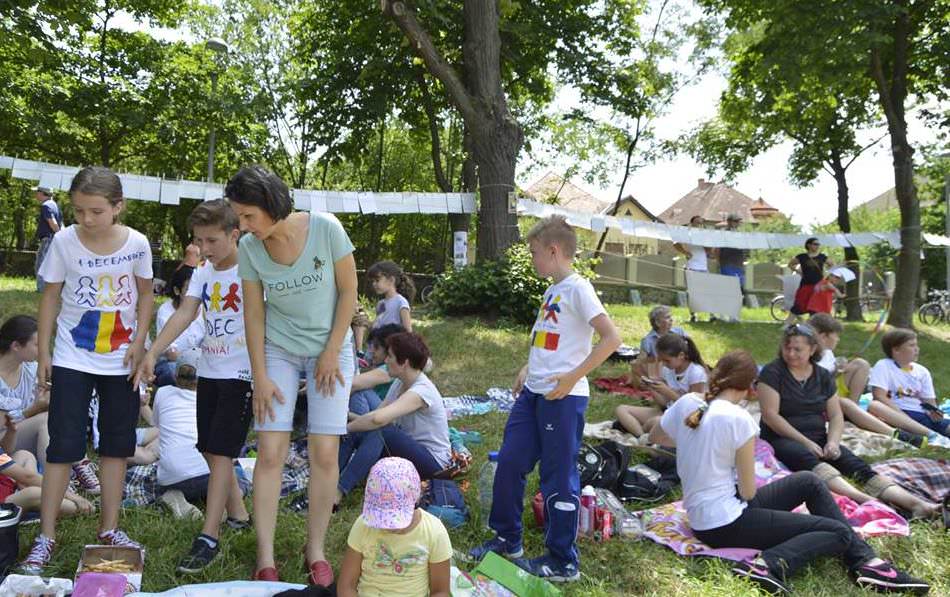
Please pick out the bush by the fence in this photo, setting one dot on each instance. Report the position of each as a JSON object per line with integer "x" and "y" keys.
{"x": 508, "y": 288}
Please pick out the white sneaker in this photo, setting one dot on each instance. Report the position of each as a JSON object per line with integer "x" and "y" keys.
{"x": 180, "y": 507}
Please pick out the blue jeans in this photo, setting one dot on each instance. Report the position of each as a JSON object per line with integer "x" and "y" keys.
{"x": 359, "y": 452}
{"x": 925, "y": 420}
{"x": 549, "y": 432}
{"x": 735, "y": 271}
{"x": 363, "y": 401}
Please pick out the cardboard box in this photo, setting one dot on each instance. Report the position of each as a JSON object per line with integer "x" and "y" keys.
{"x": 95, "y": 554}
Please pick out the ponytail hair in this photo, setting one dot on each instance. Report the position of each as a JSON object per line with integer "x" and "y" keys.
{"x": 736, "y": 370}
{"x": 673, "y": 344}
{"x": 390, "y": 269}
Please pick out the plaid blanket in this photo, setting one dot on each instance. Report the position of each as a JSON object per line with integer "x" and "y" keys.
{"x": 923, "y": 477}
{"x": 141, "y": 484}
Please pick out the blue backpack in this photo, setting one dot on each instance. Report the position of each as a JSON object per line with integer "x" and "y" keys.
{"x": 443, "y": 499}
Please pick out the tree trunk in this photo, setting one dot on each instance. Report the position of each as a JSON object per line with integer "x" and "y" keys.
{"x": 891, "y": 82}
{"x": 496, "y": 136}
{"x": 853, "y": 298}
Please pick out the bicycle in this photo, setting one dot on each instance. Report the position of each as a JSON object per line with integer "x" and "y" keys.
{"x": 869, "y": 302}
{"x": 936, "y": 309}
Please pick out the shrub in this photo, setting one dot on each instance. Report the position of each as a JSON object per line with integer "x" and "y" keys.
{"x": 508, "y": 288}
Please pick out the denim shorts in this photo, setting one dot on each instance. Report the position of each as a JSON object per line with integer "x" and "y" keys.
{"x": 326, "y": 415}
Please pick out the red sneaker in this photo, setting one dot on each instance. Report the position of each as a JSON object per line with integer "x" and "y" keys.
{"x": 321, "y": 573}
{"x": 268, "y": 574}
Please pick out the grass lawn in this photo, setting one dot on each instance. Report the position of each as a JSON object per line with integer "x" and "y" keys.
{"x": 470, "y": 356}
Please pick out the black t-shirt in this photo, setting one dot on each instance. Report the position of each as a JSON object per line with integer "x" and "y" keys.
{"x": 801, "y": 404}
{"x": 813, "y": 268}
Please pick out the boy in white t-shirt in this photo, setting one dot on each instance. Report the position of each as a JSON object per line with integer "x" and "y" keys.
{"x": 547, "y": 421}
{"x": 852, "y": 379}
{"x": 901, "y": 383}
{"x": 224, "y": 385}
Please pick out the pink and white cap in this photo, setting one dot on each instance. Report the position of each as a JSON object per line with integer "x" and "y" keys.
{"x": 392, "y": 491}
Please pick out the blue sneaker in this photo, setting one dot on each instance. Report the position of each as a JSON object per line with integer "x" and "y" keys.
{"x": 550, "y": 569}
{"x": 497, "y": 545}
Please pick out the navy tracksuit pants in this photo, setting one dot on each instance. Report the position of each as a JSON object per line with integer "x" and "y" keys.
{"x": 549, "y": 432}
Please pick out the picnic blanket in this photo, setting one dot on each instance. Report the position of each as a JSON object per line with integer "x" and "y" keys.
{"x": 924, "y": 477}
{"x": 618, "y": 385}
{"x": 466, "y": 405}
{"x": 245, "y": 588}
{"x": 669, "y": 526}
{"x": 141, "y": 484}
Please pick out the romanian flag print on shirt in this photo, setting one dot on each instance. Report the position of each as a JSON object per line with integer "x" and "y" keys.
{"x": 545, "y": 340}
{"x": 101, "y": 331}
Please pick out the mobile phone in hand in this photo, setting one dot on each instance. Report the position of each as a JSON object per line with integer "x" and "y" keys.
{"x": 930, "y": 407}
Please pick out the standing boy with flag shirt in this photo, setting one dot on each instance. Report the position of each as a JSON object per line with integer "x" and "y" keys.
{"x": 547, "y": 421}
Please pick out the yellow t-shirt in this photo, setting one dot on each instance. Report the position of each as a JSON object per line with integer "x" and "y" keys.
{"x": 397, "y": 564}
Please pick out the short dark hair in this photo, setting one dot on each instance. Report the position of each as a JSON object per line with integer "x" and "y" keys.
{"x": 379, "y": 335}
{"x": 408, "y": 346}
{"x": 19, "y": 329}
{"x": 216, "y": 212}
{"x": 895, "y": 339}
{"x": 256, "y": 185}
{"x": 813, "y": 239}
{"x": 823, "y": 323}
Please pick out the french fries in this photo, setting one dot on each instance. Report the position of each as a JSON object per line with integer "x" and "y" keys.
{"x": 108, "y": 566}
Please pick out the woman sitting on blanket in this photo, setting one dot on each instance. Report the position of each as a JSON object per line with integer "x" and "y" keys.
{"x": 851, "y": 376}
{"x": 682, "y": 371}
{"x": 715, "y": 458}
{"x": 647, "y": 364}
{"x": 410, "y": 423}
{"x": 801, "y": 418}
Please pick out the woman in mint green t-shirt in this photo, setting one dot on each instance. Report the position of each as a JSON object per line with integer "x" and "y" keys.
{"x": 302, "y": 263}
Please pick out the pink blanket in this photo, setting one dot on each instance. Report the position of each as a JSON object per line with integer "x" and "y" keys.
{"x": 668, "y": 525}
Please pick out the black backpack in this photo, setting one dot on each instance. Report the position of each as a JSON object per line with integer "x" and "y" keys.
{"x": 602, "y": 465}
{"x": 648, "y": 482}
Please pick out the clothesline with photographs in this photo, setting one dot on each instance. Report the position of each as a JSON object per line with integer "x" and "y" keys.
{"x": 171, "y": 191}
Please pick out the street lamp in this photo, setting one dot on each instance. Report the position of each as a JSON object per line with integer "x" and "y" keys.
{"x": 220, "y": 49}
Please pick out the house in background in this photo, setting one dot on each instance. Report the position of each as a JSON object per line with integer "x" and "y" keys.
{"x": 556, "y": 190}
{"x": 714, "y": 202}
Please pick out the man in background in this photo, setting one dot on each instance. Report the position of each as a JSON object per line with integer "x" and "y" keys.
{"x": 48, "y": 223}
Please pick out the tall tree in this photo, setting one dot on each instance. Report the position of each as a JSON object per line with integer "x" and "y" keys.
{"x": 901, "y": 47}
{"x": 767, "y": 102}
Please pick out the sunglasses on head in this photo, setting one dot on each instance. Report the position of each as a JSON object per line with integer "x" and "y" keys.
{"x": 799, "y": 329}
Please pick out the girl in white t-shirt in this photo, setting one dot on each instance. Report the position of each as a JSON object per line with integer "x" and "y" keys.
{"x": 98, "y": 277}
{"x": 715, "y": 458}
{"x": 682, "y": 371}
{"x": 189, "y": 339}
{"x": 397, "y": 290}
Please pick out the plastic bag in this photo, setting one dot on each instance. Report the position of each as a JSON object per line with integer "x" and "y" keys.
{"x": 100, "y": 584}
{"x": 19, "y": 584}
{"x": 514, "y": 578}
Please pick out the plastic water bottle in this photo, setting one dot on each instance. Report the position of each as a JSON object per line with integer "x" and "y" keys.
{"x": 588, "y": 505}
{"x": 486, "y": 484}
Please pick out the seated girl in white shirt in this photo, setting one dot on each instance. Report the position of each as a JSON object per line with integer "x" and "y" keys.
{"x": 682, "y": 371}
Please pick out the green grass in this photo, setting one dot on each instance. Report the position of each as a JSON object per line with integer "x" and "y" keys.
{"x": 470, "y": 356}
